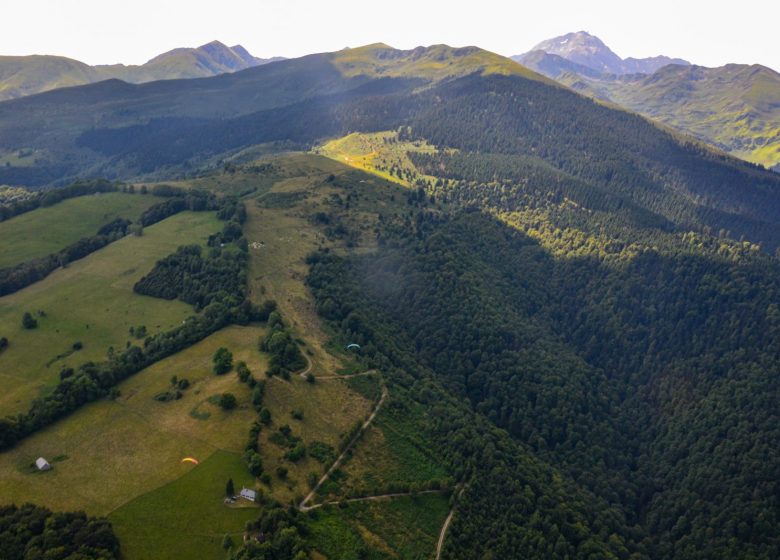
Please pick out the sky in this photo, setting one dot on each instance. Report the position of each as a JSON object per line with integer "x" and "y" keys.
{"x": 709, "y": 33}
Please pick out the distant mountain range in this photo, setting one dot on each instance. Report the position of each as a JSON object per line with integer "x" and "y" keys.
{"x": 734, "y": 107}
{"x": 589, "y": 51}
{"x": 27, "y": 75}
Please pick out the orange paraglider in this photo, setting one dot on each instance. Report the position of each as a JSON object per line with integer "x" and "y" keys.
{"x": 190, "y": 460}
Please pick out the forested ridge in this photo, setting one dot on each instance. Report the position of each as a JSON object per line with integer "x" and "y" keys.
{"x": 506, "y": 128}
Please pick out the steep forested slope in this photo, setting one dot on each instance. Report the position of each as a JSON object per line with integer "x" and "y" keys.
{"x": 618, "y": 373}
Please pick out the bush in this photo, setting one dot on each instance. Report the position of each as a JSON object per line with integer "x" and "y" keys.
{"x": 243, "y": 372}
{"x": 28, "y": 321}
{"x": 223, "y": 361}
{"x": 227, "y": 401}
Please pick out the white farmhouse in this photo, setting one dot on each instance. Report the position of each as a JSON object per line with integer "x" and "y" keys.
{"x": 248, "y": 494}
{"x": 42, "y": 464}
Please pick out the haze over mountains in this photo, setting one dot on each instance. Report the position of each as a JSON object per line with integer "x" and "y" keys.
{"x": 27, "y": 75}
{"x": 734, "y": 107}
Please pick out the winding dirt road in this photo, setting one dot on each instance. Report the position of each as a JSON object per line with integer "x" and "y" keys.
{"x": 302, "y": 506}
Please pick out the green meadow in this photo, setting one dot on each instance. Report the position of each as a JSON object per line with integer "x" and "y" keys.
{"x": 47, "y": 230}
{"x": 91, "y": 302}
{"x": 112, "y": 451}
{"x": 187, "y": 518}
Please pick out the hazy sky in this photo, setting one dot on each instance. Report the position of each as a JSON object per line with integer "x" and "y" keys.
{"x": 710, "y": 33}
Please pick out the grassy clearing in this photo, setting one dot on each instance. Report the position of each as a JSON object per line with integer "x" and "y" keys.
{"x": 379, "y": 153}
{"x": 117, "y": 450}
{"x": 329, "y": 408}
{"x": 48, "y": 230}
{"x": 280, "y": 239}
{"x": 92, "y": 302}
{"x": 186, "y": 518}
{"x": 406, "y": 527}
{"x": 389, "y": 455}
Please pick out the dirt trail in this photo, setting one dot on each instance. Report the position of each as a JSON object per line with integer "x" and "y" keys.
{"x": 302, "y": 506}
{"x": 375, "y": 498}
{"x": 306, "y": 371}
{"x": 443, "y": 532}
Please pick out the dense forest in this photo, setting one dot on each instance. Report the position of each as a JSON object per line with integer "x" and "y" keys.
{"x": 617, "y": 372}
{"x": 31, "y": 532}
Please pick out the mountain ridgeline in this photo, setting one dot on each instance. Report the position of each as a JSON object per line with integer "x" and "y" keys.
{"x": 28, "y": 75}
{"x": 734, "y": 107}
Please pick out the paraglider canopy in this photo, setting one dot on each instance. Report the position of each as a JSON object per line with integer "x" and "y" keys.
{"x": 190, "y": 460}
{"x": 353, "y": 346}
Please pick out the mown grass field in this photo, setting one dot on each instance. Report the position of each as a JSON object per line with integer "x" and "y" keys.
{"x": 117, "y": 450}
{"x": 92, "y": 302}
{"x": 403, "y": 528}
{"x": 186, "y": 518}
{"x": 48, "y": 230}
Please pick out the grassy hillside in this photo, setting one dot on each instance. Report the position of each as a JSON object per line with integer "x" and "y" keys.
{"x": 92, "y": 302}
{"x": 26, "y": 75}
{"x": 48, "y": 230}
{"x": 122, "y": 457}
{"x": 429, "y": 63}
{"x": 112, "y": 451}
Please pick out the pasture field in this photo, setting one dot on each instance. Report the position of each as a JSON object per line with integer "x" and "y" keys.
{"x": 110, "y": 452}
{"x": 187, "y": 518}
{"x": 122, "y": 457}
{"x": 46, "y": 230}
{"x": 401, "y": 528}
{"x": 92, "y": 302}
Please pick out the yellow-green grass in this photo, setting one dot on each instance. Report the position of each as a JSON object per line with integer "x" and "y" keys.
{"x": 403, "y": 528}
{"x": 48, "y": 230}
{"x": 435, "y": 63}
{"x": 376, "y": 153}
{"x": 118, "y": 450}
{"x": 280, "y": 239}
{"x": 329, "y": 409}
{"x": 92, "y": 302}
{"x": 186, "y": 518}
